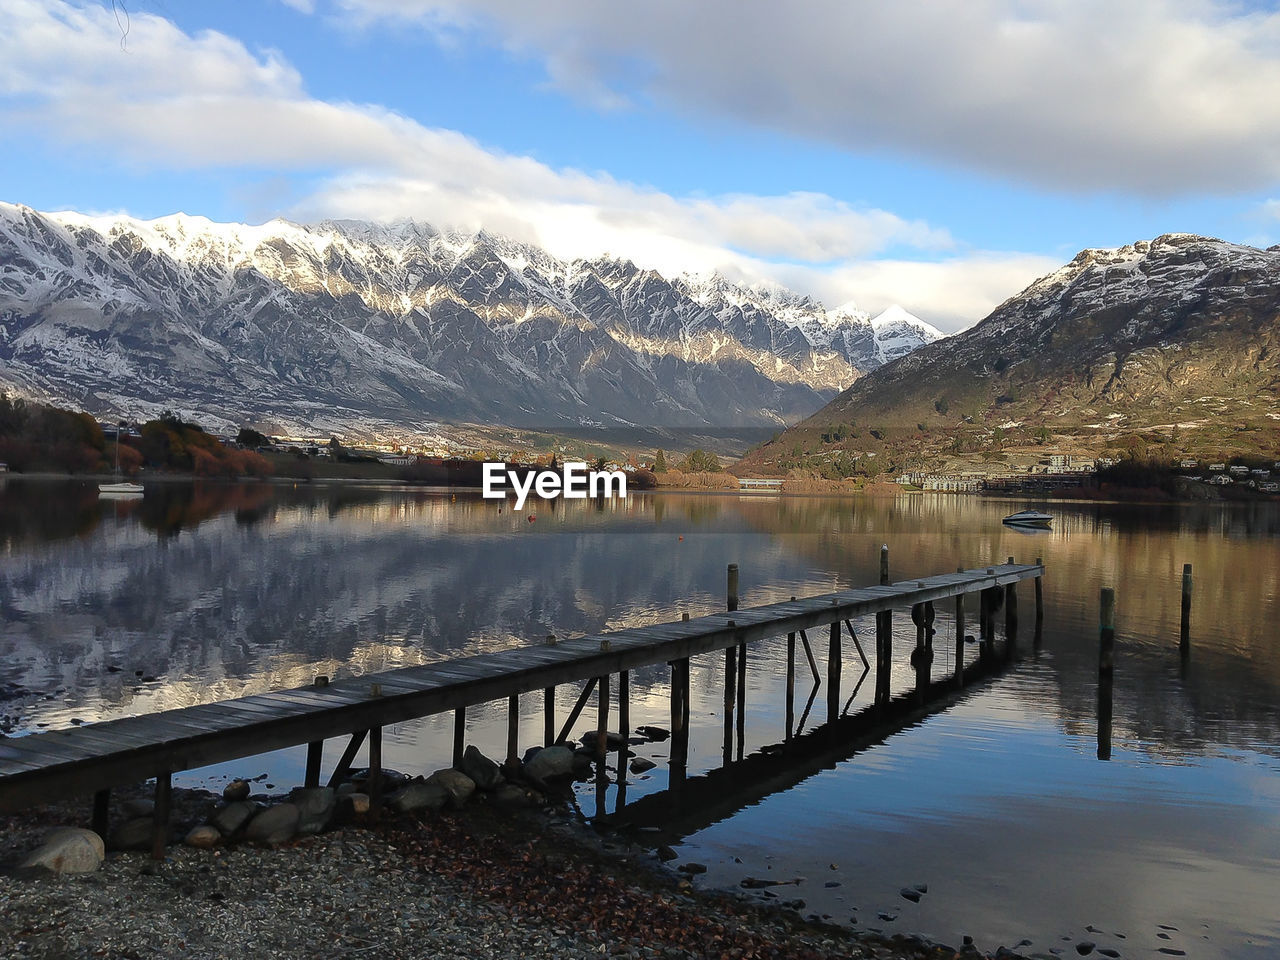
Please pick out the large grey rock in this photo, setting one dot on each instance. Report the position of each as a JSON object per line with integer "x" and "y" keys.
{"x": 133, "y": 834}
{"x": 236, "y": 790}
{"x": 419, "y": 796}
{"x": 514, "y": 795}
{"x": 274, "y": 825}
{"x": 67, "y": 850}
{"x": 229, "y": 819}
{"x": 138, "y": 807}
{"x": 459, "y": 786}
{"x": 642, "y": 765}
{"x": 481, "y": 769}
{"x": 549, "y": 763}
{"x": 203, "y": 837}
{"x": 316, "y": 807}
{"x": 613, "y": 741}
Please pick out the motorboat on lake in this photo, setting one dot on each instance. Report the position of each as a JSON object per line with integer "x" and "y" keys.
{"x": 1029, "y": 518}
{"x": 120, "y": 491}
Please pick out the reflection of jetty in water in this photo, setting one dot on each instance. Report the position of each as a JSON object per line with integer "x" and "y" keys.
{"x": 690, "y": 804}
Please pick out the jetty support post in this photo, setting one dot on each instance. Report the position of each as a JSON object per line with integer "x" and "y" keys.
{"x": 742, "y": 698}
{"x": 1184, "y": 637}
{"x": 791, "y": 681}
{"x": 375, "y": 771}
{"x": 459, "y": 735}
{"x": 602, "y": 743}
{"x": 834, "y": 667}
{"x": 549, "y": 707}
{"x": 1039, "y": 594}
{"x": 315, "y": 753}
{"x": 1106, "y": 670}
{"x": 315, "y": 749}
{"x": 884, "y": 637}
{"x": 730, "y": 695}
{"x": 160, "y": 815}
{"x": 101, "y": 821}
{"x": 679, "y": 712}
{"x": 348, "y": 757}
{"x": 959, "y": 669}
{"x": 1011, "y": 618}
{"x": 680, "y": 709}
{"x": 513, "y": 734}
{"x": 602, "y": 722}
{"x": 624, "y": 716}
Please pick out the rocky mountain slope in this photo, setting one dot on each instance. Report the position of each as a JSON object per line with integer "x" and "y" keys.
{"x": 1165, "y": 345}
{"x": 349, "y": 322}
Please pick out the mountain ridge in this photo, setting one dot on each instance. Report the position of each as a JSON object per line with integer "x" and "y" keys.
{"x": 1160, "y": 347}
{"x": 342, "y": 321}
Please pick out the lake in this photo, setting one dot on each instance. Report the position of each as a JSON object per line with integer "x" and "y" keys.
{"x": 999, "y": 803}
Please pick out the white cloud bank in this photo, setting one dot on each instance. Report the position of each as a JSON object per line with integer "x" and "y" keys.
{"x": 177, "y": 100}
{"x": 1155, "y": 97}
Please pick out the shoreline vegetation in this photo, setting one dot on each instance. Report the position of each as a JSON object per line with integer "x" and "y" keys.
{"x": 486, "y": 880}
{"x": 41, "y": 441}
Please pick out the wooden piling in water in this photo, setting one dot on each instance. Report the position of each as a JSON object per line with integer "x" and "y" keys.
{"x": 624, "y": 713}
{"x": 513, "y": 733}
{"x": 1184, "y": 636}
{"x": 959, "y": 666}
{"x": 1106, "y": 669}
{"x": 1107, "y": 631}
{"x": 160, "y": 815}
{"x": 733, "y": 587}
{"x": 791, "y": 681}
{"x": 1011, "y": 619}
{"x": 730, "y": 696}
{"x": 602, "y": 719}
{"x": 459, "y": 735}
{"x": 834, "y": 667}
{"x": 884, "y": 637}
{"x": 315, "y": 753}
{"x": 1039, "y": 594}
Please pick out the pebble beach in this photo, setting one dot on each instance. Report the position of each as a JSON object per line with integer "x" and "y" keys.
{"x": 481, "y": 883}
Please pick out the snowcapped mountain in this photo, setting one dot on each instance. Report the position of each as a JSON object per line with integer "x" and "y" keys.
{"x": 1158, "y": 347}
{"x": 347, "y": 322}
{"x": 898, "y": 332}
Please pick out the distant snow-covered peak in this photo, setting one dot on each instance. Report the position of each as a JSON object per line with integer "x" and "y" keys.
{"x": 894, "y": 316}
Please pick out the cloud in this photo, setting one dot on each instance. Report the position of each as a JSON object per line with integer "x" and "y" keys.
{"x": 952, "y": 293}
{"x": 1153, "y": 97}
{"x": 192, "y": 101}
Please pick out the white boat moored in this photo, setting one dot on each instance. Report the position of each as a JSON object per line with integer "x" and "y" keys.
{"x": 1029, "y": 518}
{"x": 119, "y": 491}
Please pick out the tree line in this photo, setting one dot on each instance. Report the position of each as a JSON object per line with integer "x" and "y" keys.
{"x": 37, "y": 437}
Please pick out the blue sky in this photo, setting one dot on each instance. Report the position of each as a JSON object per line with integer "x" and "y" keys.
{"x": 935, "y": 154}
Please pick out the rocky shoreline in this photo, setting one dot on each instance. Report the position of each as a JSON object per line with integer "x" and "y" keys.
{"x": 448, "y": 869}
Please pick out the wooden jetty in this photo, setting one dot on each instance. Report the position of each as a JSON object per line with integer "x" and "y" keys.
{"x": 96, "y": 757}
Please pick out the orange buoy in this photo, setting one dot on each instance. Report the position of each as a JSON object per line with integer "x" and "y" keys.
{"x": 680, "y": 538}
{"x": 533, "y": 517}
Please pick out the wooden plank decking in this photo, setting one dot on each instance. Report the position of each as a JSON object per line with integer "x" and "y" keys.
{"x": 44, "y": 766}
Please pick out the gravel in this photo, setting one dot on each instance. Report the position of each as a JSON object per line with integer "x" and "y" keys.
{"x": 482, "y": 885}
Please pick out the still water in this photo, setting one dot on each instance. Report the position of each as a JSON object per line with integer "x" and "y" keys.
{"x": 998, "y": 803}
